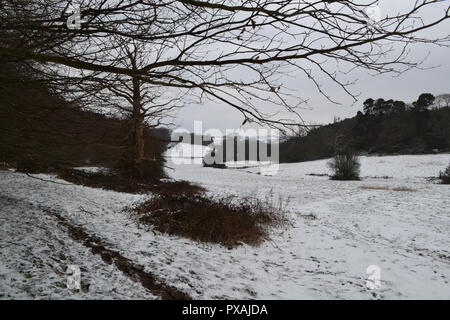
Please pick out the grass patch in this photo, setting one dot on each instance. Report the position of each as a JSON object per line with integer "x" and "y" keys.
{"x": 374, "y": 188}
{"x": 397, "y": 189}
{"x": 318, "y": 174}
{"x": 116, "y": 182}
{"x": 215, "y": 165}
{"x": 403, "y": 189}
{"x": 309, "y": 216}
{"x": 227, "y": 221}
{"x": 382, "y": 177}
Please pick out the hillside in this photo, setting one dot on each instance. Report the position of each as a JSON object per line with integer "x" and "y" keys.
{"x": 407, "y": 132}
{"x": 40, "y": 129}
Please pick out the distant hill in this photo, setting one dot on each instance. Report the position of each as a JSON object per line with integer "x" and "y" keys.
{"x": 412, "y": 131}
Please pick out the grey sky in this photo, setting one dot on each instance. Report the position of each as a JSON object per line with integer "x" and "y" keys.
{"x": 406, "y": 87}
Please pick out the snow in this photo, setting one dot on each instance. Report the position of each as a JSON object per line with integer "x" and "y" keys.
{"x": 339, "y": 230}
{"x": 35, "y": 254}
{"x": 185, "y": 150}
{"x": 93, "y": 169}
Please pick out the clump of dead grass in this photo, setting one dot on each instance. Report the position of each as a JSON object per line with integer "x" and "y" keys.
{"x": 397, "y": 189}
{"x": 228, "y": 221}
{"x": 374, "y": 188}
{"x": 403, "y": 189}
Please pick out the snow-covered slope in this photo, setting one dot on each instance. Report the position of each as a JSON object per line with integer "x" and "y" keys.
{"x": 407, "y": 234}
{"x": 339, "y": 230}
{"x": 186, "y": 150}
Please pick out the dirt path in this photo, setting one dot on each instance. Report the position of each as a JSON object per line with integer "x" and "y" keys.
{"x": 98, "y": 247}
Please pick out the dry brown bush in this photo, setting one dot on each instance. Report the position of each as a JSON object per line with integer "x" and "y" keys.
{"x": 374, "y": 188}
{"x": 227, "y": 221}
{"x": 397, "y": 189}
{"x": 403, "y": 189}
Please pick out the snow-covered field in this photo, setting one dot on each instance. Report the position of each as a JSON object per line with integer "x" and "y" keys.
{"x": 339, "y": 230}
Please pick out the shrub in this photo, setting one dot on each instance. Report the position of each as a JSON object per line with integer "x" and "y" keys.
{"x": 227, "y": 221}
{"x": 111, "y": 180}
{"x": 35, "y": 164}
{"x": 152, "y": 169}
{"x": 215, "y": 165}
{"x": 445, "y": 176}
{"x": 345, "y": 166}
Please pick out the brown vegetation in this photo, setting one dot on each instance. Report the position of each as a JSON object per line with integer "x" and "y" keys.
{"x": 403, "y": 189}
{"x": 181, "y": 208}
{"x": 397, "y": 189}
{"x": 109, "y": 180}
{"x": 374, "y": 188}
{"x": 227, "y": 221}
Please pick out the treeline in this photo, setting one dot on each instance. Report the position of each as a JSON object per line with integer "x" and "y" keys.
{"x": 384, "y": 127}
{"x": 426, "y": 101}
{"x": 41, "y": 131}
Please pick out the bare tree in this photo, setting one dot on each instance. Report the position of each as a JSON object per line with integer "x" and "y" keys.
{"x": 238, "y": 53}
{"x": 142, "y": 104}
{"x": 442, "y": 101}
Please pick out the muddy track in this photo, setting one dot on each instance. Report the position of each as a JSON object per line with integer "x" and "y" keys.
{"x": 126, "y": 266}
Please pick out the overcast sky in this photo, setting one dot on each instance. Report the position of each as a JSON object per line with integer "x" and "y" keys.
{"x": 406, "y": 87}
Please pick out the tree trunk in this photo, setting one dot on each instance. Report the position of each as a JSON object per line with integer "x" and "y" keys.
{"x": 138, "y": 136}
